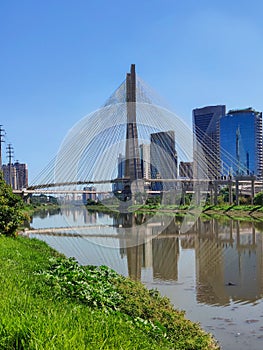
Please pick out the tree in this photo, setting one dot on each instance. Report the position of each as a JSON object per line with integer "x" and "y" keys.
{"x": 258, "y": 200}
{"x": 11, "y": 213}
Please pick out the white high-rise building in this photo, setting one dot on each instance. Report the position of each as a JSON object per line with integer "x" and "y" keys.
{"x": 145, "y": 161}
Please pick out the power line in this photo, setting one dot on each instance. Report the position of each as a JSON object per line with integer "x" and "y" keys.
{"x": 2, "y": 135}
{"x": 10, "y": 154}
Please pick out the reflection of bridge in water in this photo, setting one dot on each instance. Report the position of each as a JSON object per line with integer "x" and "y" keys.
{"x": 207, "y": 229}
{"x": 228, "y": 254}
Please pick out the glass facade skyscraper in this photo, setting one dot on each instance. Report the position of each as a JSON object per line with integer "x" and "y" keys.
{"x": 163, "y": 158}
{"x": 241, "y": 143}
{"x": 119, "y": 185}
{"x": 206, "y": 141}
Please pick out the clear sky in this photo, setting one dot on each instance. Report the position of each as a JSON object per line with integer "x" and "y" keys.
{"x": 61, "y": 59}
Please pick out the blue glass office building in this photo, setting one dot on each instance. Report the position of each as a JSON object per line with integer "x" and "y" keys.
{"x": 206, "y": 141}
{"x": 163, "y": 158}
{"x": 118, "y": 186}
{"x": 241, "y": 143}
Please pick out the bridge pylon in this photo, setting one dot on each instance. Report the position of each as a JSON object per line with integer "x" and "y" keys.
{"x": 133, "y": 169}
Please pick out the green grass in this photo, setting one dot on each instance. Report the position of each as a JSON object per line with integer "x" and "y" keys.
{"x": 50, "y": 302}
{"x": 103, "y": 208}
{"x": 220, "y": 209}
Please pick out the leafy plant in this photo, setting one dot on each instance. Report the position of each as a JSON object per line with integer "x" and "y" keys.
{"x": 101, "y": 287}
{"x": 153, "y": 201}
{"x": 258, "y": 200}
{"x": 11, "y": 213}
{"x": 90, "y": 285}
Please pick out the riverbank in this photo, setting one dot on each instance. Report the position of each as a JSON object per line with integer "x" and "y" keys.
{"x": 31, "y": 209}
{"x": 233, "y": 211}
{"x": 48, "y": 301}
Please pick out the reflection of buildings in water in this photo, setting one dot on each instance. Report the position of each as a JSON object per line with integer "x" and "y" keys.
{"x": 73, "y": 212}
{"x": 226, "y": 252}
{"x": 206, "y": 228}
{"x": 188, "y": 242}
{"x": 66, "y": 211}
{"x": 131, "y": 244}
{"x": 259, "y": 225}
{"x": 209, "y": 272}
{"x": 89, "y": 218}
{"x": 134, "y": 245}
{"x": 171, "y": 228}
{"x": 165, "y": 258}
{"x": 134, "y": 260}
{"x": 229, "y": 266}
{"x": 79, "y": 215}
{"x": 76, "y": 215}
{"x": 100, "y": 215}
{"x": 143, "y": 251}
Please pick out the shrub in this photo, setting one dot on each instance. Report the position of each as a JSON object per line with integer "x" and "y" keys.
{"x": 11, "y": 214}
{"x": 258, "y": 200}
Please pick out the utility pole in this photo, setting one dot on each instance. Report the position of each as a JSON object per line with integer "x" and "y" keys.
{"x": 10, "y": 153}
{"x": 2, "y": 134}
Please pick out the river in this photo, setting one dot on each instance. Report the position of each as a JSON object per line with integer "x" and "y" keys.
{"x": 214, "y": 271}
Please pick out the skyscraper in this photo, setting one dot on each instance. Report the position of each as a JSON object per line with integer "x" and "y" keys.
{"x": 121, "y": 166}
{"x": 21, "y": 174}
{"x": 10, "y": 175}
{"x": 119, "y": 185}
{"x": 206, "y": 140}
{"x": 241, "y": 142}
{"x": 163, "y": 158}
{"x": 186, "y": 170}
{"x": 89, "y": 196}
{"x": 145, "y": 161}
{"x": 16, "y": 175}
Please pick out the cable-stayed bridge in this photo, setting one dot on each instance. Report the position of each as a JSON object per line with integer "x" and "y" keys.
{"x": 88, "y": 160}
{"x": 240, "y": 186}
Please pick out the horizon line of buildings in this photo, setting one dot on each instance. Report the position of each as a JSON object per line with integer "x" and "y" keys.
{"x": 225, "y": 145}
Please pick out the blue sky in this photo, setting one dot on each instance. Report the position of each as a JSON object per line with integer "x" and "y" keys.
{"x": 61, "y": 59}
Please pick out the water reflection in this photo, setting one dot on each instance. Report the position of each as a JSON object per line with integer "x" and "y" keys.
{"x": 214, "y": 271}
{"x": 228, "y": 257}
{"x": 150, "y": 253}
{"x": 43, "y": 213}
{"x": 229, "y": 262}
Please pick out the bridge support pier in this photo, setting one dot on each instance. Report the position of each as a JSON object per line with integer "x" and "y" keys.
{"x": 215, "y": 193}
{"x": 183, "y": 193}
{"x": 198, "y": 194}
{"x": 252, "y": 191}
{"x": 211, "y": 194}
{"x": 237, "y": 192}
{"x": 230, "y": 193}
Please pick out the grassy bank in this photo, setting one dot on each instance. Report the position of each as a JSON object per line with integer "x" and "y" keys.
{"x": 49, "y": 302}
{"x": 235, "y": 211}
{"x": 31, "y": 209}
